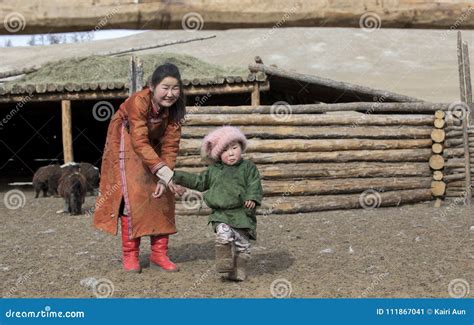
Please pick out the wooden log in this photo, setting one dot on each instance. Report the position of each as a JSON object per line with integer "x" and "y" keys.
{"x": 457, "y": 163}
{"x": 454, "y": 177}
{"x": 309, "y": 132}
{"x": 467, "y": 120}
{"x": 453, "y": 152}
{"x": 313, "y": 120}
{"x": 334, "y": 170}
{"x": 453, "y": 142}
{"x": 437, "y": 175}
{"x": 436, "y": 162}
{"x": 455, "y": 193}
{"x": 439, "y": 123}
{"x": 66, "y": 131}
{"x": 400, "y": 155}
{"x": 458, "y": 134}
{"x": 437, "y": 148}
{"x": 451, "y": 170}
{"x": 301, "y": 204}
{"x": 439, "y": 114}
{"x": 438, "y": 135}
{"x": 59, "y": 17}
{"x": 343, "y": 185}
{"x": 363, "y": 107}
{"x": 190, "y": 146}
{"x": 450, "y": 121}
{"x": 457, "y": 183}
{"x": 467, "y": 78}
{"x": 438, "y": 188}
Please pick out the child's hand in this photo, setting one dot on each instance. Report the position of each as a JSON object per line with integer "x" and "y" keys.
{"x": 176, "y": 189}
{"x": 159, "y": 190}
{"x": 249, "y": 204}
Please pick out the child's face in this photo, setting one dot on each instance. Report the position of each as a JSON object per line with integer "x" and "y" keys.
{"x": 232, "y": 153}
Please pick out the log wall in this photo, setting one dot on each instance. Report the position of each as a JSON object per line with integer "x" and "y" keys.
{"x": 312, "y": 160}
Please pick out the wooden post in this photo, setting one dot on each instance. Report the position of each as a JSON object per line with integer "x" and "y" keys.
{"x": 139, "y": 81}
{"x": 132, "y": 86}
{"x": 135, "y": 75}
{"x": 66, "y": 129}
{"x": 256, "y": 95}
{"x": 464, "y": 98}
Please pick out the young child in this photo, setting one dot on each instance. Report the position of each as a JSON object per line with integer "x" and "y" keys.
{"x": 234, "y": 191}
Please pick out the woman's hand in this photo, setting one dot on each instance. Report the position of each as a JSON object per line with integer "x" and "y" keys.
{"x": 176, "y": 189}
{"x": 249, "y": 204}
{"x": 159, "y": 190}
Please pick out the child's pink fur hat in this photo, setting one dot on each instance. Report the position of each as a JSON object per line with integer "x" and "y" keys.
{"x": 216, "y": 142}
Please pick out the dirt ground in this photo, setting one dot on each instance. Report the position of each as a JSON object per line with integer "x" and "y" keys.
{"x": 410, "y": 251}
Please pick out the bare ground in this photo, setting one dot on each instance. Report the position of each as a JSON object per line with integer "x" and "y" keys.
{"x": 410, "y": 251}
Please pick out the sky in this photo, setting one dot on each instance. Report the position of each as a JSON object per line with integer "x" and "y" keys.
{"x": 22, "y": 40}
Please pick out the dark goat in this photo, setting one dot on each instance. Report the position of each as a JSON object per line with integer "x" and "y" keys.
{"x": 72, "y": 187}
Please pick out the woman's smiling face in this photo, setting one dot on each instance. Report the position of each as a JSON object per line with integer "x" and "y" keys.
{"x": 167, "y": 92}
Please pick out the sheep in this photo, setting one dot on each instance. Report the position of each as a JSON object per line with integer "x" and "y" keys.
{"x": 44, "y": 180}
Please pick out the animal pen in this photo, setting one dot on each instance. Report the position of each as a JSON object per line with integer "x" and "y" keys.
{"x": 319, "y": 144}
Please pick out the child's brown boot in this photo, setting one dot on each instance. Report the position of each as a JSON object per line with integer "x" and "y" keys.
{"x": 224, "y": 260}
{"x": 239, "y": 273}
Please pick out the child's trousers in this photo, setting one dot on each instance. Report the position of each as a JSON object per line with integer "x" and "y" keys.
{"x": 226, "y": 234}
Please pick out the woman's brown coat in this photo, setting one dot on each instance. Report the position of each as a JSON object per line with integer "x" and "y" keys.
{"x": 139, "y": 142}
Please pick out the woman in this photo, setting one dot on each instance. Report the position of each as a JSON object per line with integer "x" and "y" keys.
{"x": 139, "y": 156}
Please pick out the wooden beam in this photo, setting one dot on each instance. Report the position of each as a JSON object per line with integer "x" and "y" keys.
{"x": 123, "y": 93}
{"x": 67, "y": 131}
{"x": 86, "y": 15}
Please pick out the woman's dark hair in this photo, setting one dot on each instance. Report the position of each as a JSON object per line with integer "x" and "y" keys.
{"x": 178, "y": 110}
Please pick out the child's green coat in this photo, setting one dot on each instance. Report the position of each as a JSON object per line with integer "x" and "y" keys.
{"x": 228, "y": 187}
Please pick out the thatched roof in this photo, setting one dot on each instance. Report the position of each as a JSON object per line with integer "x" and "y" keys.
{"x": 108, "y": 70}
